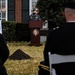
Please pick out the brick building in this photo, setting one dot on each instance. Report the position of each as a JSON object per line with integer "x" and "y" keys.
{"x": 16, "y": 10}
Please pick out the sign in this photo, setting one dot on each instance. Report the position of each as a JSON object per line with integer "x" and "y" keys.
{"x": 35, "y": 32}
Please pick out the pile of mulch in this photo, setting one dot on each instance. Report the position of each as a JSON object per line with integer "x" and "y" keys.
{"x": 19, "y": 55}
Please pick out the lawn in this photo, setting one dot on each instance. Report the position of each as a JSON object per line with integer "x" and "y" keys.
{"x": 24, "y": 66}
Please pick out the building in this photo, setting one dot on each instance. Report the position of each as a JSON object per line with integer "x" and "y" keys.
{"x": 16, "y": 10}
{"x": 19, "y": 11}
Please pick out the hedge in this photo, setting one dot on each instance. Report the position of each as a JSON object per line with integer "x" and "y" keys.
{"x": 13, "y": 31}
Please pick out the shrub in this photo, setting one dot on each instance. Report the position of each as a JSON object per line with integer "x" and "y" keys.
{"x": 8, "y": 30}
{"x": 22, "y": 32}
{"x": 51, "y": 10}
{"x": 13, "y": 31}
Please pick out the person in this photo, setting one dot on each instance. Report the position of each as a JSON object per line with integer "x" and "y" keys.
{"x": 35, "y": 15}
{"x": 62, "y": 41}
{"x": 34, "y": 19}
{"x": 4, "y": 53}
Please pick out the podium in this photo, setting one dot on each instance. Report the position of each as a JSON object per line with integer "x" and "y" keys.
{"x": 35, "y": 32}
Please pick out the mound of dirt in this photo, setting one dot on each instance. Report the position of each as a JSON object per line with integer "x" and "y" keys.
{"x": 19, "y": 55}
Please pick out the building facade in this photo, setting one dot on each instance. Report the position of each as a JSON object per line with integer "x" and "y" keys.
{"x": 16, "y": 10}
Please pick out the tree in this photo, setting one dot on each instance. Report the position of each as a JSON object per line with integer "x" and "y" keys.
{"x": 51, "y": 10}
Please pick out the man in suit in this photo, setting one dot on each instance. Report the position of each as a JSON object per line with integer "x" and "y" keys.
{"x": 61, "y": 41}
{"x": 35, "y": 15}
{"x": 4, "y": 53}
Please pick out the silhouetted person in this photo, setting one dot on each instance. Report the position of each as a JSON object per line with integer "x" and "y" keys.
{"x": 4, "y": 53}
{"x": 61, "y": 41}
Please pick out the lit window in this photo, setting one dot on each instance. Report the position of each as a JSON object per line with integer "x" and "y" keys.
{"x": 3, "y": 9}
{"x": 34, "y": 3}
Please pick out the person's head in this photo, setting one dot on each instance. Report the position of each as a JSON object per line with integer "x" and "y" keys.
{"x": 35, "y": 11}
{"x": 69, "y": 11}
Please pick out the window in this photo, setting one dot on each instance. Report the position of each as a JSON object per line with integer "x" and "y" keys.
{"x": 3, "y": 8}
{"x": 32, "y": 4}
{"x": 11, "y": 10}
{"x": 25, "y": 10}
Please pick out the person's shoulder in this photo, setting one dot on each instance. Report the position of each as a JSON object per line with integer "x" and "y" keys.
{"x": 55, "y": 30}
{"x": 31, "y": 14}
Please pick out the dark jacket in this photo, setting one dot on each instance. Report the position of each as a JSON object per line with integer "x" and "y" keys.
{"x": 61, "y": 41}
{"x": 34, "y": 17}
{"x": 4, "y": 51}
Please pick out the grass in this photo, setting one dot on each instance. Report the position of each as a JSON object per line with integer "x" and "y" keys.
{"x": 26, "y": 66}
